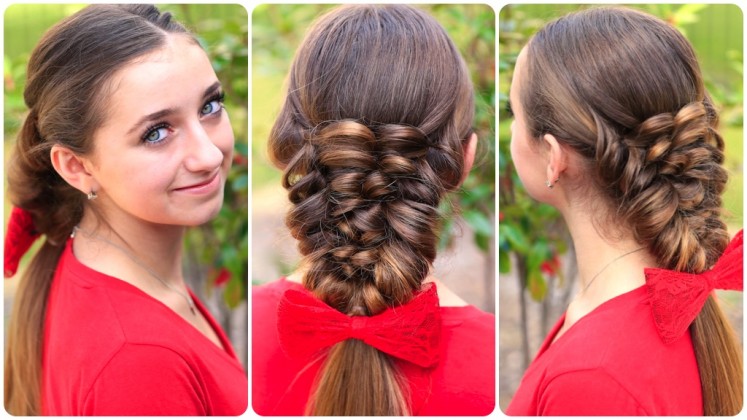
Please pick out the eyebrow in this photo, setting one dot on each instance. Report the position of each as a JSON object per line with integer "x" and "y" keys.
{"x": 214, "y": 88}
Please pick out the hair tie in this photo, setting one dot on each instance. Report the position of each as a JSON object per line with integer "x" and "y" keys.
{"x": 412, "y": 331}
{"x": 677, "y": 297}
{"x": 18, "y": 238}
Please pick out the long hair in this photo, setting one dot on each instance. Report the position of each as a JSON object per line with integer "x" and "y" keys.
{"x": 370, "y": 138}
{"x": 67, "y": 84}
{"x": 625, "y": 91}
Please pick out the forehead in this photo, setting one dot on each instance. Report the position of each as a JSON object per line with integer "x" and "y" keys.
{"x": 518, "y": 71}
{"x": 164, "y": 78}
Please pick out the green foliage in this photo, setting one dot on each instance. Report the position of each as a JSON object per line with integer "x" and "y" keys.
{"x": 534, "y": 233}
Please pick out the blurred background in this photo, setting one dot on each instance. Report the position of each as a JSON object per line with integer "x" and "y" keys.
{"x": 216, "y": 254}
{"x": 466, "y": 260}
{"x": 536, "y": 259}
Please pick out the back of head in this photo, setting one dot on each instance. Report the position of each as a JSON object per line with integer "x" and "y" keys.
{"x": 68, "y": 79}
{"x": 370, "y": 137}
{"x": 623, "y": 89}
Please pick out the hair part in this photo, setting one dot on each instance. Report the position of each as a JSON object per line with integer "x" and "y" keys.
{"x": 68, "y": 82}
{"x": 624, "y": 90}
{"x": 370, "y": 139}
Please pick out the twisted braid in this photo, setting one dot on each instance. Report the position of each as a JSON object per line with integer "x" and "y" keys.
{"x": 667, "y": 177}
{"x": 370, "y": 139}
{"x": 365, "y": 213}
{"x": 624, "y": 90}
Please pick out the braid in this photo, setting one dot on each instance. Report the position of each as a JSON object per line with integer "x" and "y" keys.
{"x": 34, "y": 185}
{"x": 644, "y": 124}
{"x": 365, "y": 213}
{"x": 370, "y": 139}
{"x": 667, "y": 178}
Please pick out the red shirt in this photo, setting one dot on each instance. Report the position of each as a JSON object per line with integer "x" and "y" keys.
{"x": 612, "y": 362}
{"x": 111, "y": 349}
{"x": 463, "y": 382}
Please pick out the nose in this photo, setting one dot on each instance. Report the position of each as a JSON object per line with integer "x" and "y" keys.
{"x": 201, "y": 152}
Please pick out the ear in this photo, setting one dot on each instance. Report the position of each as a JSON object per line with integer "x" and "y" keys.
{"x": 558, "y": 158}
{"x": 73, "y": 169}
{"x": 470, "y": 148}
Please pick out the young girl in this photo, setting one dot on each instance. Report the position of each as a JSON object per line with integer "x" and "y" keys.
{"x": 614, "y": 127}
{"x": 374, "y": 131}
{"x": 126, "y": 143}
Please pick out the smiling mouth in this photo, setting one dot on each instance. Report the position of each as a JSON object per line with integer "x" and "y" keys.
{"x": 205, "y": 186}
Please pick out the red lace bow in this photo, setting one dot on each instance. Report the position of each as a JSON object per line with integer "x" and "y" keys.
{"x": 677, "y": 298}
{"x": 18, "y": 239}
{"x": 412, "y": 331}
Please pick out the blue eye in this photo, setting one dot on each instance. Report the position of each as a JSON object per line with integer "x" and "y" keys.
{"x": 214, "y": 105}
{"x": 156, "y": 134}
{"x": 211, "y": 108}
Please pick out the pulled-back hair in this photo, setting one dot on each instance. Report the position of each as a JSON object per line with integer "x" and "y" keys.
{"x": 370, "y": 138}
{"x": 625, "y": 91}
{"x": 68, "y": 82}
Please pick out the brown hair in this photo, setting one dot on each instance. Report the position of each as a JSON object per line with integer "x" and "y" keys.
{"x": 67, "y": 84}
{"x": 371, "y": 138}
{"x": 624, "y": 90}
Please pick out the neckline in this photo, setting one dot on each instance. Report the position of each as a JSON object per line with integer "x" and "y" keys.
{"x": 84, "y": 273}
{"x": 548, "y": 344}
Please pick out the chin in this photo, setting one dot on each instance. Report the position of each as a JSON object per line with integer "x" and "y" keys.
{"x": 204, "y": 214}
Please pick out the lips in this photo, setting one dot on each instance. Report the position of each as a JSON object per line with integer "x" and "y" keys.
{"x": 208, "y": 185}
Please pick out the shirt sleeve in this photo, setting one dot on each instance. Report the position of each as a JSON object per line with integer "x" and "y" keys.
{"x": 587, "y": 393}
{"x": 146, "y": 380}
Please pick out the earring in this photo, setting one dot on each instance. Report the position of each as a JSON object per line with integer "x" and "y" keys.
{"x": 548, "y": 184}
{"x": 92, "y": 195}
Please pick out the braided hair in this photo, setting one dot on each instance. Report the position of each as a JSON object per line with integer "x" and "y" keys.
{"x": 624, "y": 90}
{"x": 370, "y": 139}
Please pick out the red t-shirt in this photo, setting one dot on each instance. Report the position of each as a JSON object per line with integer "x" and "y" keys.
{"x": 612, "y": 362}
{"x": 463, "y": 382}
{"x": 111, "y": 349}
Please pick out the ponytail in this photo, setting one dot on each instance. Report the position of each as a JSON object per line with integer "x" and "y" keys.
{"x": 55, "y": 207}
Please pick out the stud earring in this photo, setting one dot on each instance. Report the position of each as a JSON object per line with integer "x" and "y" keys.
{"x": 92, "y": 195}
{"x": 548, "y": 184}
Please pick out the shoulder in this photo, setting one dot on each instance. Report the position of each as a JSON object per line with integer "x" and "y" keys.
{"x": 146, "y": 379}
{"x": 616, "y": 356}
{"x": 587, "y": 392}
{"x": 464, "y": 381}
{"x": 265, "y": 299}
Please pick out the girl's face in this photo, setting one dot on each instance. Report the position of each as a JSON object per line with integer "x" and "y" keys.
{"x": 164, "y": 150}
{"x": 528, "y": 157}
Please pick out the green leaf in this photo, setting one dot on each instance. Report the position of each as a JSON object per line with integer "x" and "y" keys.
{"x": 515, "y": 238}
{"x": 504, "y": 262}
{"x": 478, "y": 222}
{"x": 483, "y": 242}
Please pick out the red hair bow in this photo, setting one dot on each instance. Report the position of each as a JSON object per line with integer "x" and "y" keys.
{"x": 411, "y": 331}
{"x": 18, "y": 239}
{"x": 677, "y": 298}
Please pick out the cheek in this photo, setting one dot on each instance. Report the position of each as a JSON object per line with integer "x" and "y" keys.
{"x": 224, "y": 138}
{"x": 528, "y": 164}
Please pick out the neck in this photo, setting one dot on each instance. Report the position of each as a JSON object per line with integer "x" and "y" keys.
{"x": 158, "y": 247}
{"x": 605, "y": 271}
